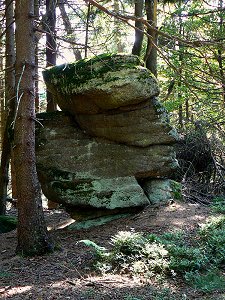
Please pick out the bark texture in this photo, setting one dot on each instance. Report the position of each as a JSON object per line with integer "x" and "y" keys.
{"x": 50, "y": 45}
{"x": 32, "y": 232}
{"x": 139, "y": 34}
{"x": 10, "y": 103}
{"x": 151, "y": 52}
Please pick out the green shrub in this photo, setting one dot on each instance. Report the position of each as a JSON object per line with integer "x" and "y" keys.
{"x": 185, "y": 259}
{"x": 4, "y": 274}
{"x": 7, "y": 223}
{"x": 176, "y": 190}
{"x": 212, "y": 237}
{"x": 219, "y": 204}
{"x": 132, "y": 253}
{"x": 207, "y": 282}
{"x": 168, "y": 254}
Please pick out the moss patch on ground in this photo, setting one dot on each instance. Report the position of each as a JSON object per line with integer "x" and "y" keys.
{"x": 7, "y": 223}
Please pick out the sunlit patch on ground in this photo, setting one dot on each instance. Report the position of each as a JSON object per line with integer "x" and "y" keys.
{"x": 8, "y": 291}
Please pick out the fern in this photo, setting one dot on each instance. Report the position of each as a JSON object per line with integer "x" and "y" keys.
{"x": 93, "y": 245}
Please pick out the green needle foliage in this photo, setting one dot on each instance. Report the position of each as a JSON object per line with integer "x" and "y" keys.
{"x": 7, "y": 223}
{"x": 198, "y": 259}
{"x": 208, "y": 282}
{"x": 219, "y": 204}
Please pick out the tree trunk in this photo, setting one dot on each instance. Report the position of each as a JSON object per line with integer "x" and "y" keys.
{"x": 222, "y": 75}
{"x": 10, "y": 103}
{"x": 180, "y": 113}
{"x": 50, "y": 46}
{"x": 219, "y": 54}
{"x": 117, "y": 23}
{"x": 68, "y": 28}
{"x": 139, "y": 34}
{"x": 180, "y": 58}
{"x": 32, "y": 233}
{"x": 2, "y": 87}
{"x": 86, "y": 31}
{"x": 151, "y": 51}
{"x": 51, "y": 58}
{"x": 37, "y": 101}
{"x": 187, "y": 112}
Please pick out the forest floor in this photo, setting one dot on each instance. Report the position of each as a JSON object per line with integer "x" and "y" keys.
{"x": 68, "y": 274}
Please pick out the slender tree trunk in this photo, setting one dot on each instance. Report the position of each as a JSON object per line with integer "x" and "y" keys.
{"x": 139, "y": 34}
{"x": 180, "y": 120}
{"x": 68, "y": 28}
{"x": 2, "y": 99}
{"x": 10, "y": 98}
{"x": 2, "y": 87}
{"x": 219, "y": 55}
{"x": 32, "y": 233}
{"x": 117, "y": 23}
{"x": 10, "y": 103}
{"x": 151, "y": 51}
{"x": 180, "y": 57}
{"x": 50, "y": 46}
{"x": 222, "y": 75}
{"x": 187, "y": 112}
{"x": 51, "y": 59}
{"x": 2, "y": 102}
{"x": 86, "y": 31}
{"x": 37, "y": 102}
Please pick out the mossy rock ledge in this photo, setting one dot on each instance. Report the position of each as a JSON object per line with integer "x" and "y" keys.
{"x": 99, "y": 84}
{"x": 111, "y": 134}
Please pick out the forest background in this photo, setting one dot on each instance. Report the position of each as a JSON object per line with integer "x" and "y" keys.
{"x": 181, "y": 42}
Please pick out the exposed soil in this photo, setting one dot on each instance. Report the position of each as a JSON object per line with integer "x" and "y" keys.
{"x": 67, "y": 273}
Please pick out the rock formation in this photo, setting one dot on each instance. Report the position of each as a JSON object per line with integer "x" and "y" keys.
{"x": 110, "y": 135}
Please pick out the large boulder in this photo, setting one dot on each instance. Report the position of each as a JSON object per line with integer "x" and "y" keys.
{"x": 112, "y": 134}
{"x": 63, "y": 146}
{"x": 102, "y": 83}
{"x": 77, "y": 169}
{"x": 141, "y": 125}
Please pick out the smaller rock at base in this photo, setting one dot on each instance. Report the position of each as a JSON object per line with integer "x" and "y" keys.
{"x": 95, "y": 222}
{"x": 158, "y": 190}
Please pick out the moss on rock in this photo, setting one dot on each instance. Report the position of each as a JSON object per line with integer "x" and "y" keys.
{"x": 101, "y": 83}
{"x": 69, "y": 77}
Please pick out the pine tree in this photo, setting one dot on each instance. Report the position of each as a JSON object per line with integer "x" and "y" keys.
{"x": 33, "y": 237}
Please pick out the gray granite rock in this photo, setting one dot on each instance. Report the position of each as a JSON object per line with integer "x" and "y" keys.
{"x": 112, "y": 134}
{"x": 158, "y": 190}
{"x": 138, "y": 125}
{"x": 101, "y": 83}
{"x": 61, "y": 145}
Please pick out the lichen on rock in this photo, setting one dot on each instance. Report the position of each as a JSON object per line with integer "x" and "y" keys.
{"x": 101, "y": 83}
{"x": 111, "y": 135}
{"x": 69, "y": 77}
